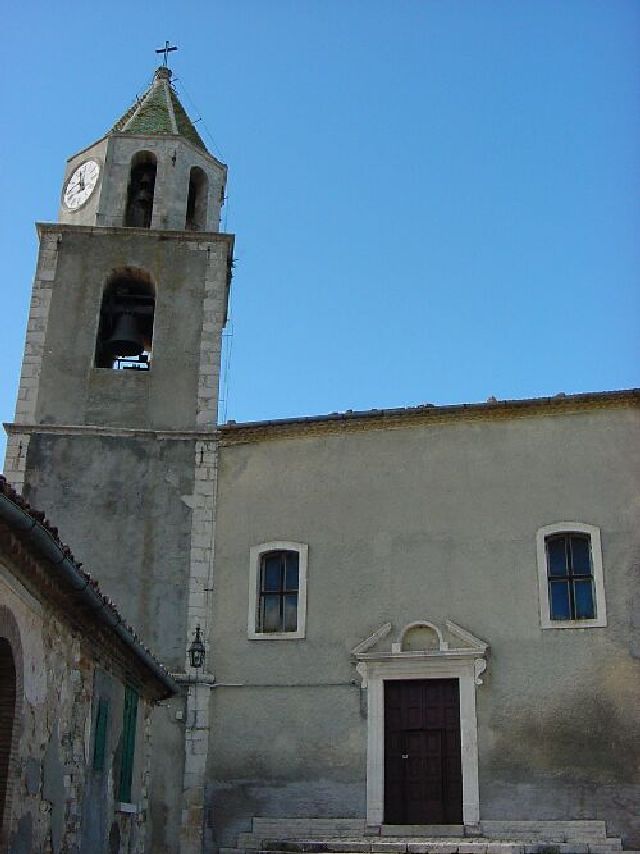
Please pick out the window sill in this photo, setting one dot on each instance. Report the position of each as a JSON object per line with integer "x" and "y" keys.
{"x": 575, "y": 624}
{"x": 121, "y": 806}
{"x": 276, "y": 635}
{"x": 120, "y": 371}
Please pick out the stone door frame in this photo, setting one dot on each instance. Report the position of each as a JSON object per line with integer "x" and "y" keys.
{"x": 465, "y": 664}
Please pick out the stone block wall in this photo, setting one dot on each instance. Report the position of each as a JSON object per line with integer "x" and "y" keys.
{"x": 36, "y": 328}
{"x": 56, "y": 801}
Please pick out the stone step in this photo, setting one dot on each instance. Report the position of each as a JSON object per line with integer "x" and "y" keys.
{"x": 571, "y": 829}
{"x": 463, "y": 846}
{"x": 444, "y": 848}
{"x": 406, "y": 831}
{"x": 438, "y": 845}
{"x": 353, "y": 836}
{"x": 299, "y": 828}
{"x": 596, "y": 845}
{"x": 354, "y": 829}
{"x": 391, "y": 843}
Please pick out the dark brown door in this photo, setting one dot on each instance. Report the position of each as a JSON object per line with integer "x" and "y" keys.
{"x": 422, "y": 766}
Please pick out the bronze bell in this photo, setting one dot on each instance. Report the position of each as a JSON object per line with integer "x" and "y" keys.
{"x": 126, "y": 339}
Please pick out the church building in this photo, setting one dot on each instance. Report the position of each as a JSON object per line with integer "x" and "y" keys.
{"x": 420, "y": 625}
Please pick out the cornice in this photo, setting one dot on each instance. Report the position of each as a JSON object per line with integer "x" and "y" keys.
{"x": 203, "y": 152}
{"x": 426, "y": 416}
{"x": 421, "y": 655}
{"x": 13, "y": 428}
{"x": 197, "y": 237}
{"x": 146, "y": 138}
{"x": 357, "y": 422}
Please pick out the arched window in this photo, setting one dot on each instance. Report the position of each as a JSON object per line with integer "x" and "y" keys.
{"x": 125, "y": 329}
{"x": 142, "y": 181}
{"x": 197, "y": 199}
{"x": 7, "y": 717}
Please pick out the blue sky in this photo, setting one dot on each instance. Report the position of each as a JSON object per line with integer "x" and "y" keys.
{"x": 434, "y": 200}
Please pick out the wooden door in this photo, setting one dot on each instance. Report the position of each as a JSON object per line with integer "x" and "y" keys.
{"x": 422, "y": 763}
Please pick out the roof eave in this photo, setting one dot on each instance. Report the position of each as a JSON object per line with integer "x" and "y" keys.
{"x": 408, "y": 416}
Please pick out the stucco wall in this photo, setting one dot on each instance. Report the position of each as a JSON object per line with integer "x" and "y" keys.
{"x": 431, "y": 522}
{"x": 125, "y": 504}
{"x": 167, "y": 774}
{"x": 71, "y": 390}
{"x": 120, "y": 502}
{"x": 175, "y": 158}
{"x": 58, "y": 801}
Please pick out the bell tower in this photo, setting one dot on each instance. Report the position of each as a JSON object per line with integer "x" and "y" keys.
{"x": 115, "y": 425}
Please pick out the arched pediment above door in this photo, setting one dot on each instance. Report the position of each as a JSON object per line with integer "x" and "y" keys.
{"x": 420, "y": 638}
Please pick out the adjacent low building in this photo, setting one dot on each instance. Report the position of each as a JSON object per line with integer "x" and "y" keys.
{"x": 76, "y": 692}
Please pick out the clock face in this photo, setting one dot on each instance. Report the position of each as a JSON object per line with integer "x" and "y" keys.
{"x": 81, "y": 184}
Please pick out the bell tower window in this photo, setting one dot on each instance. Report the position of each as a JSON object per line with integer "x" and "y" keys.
{"x": 125, "y": 329}
{"x": 142, "y": 181}
{"x": 197, "y": 200}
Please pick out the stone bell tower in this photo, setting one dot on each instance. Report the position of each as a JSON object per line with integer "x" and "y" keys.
{"x": 115, "y": 426}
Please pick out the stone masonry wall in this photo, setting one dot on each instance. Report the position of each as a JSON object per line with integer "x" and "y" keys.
{"x": 36, "y": 328}
{"x": 54, "y": 804}
{"x": 17, "y": 443}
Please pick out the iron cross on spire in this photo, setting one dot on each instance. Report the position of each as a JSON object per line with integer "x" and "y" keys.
{"x": 166, "y": 50}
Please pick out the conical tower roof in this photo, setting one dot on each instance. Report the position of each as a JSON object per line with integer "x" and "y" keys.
{"x": 159, "y": 113}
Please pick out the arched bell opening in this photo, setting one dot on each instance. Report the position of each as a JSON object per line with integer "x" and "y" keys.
{"x": 125, "y": 328}
{"x": 142, "y": 182}
{"x": 8, "y": 697}
{"x": 197, "y": 200}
